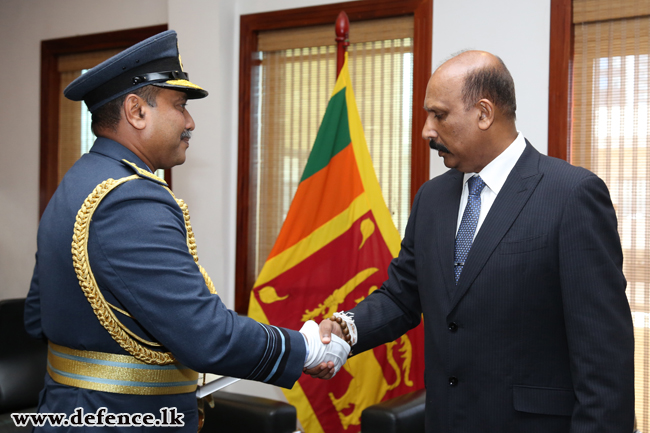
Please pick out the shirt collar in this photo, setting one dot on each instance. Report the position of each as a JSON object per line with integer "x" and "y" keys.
{"x": 496, "y": 172}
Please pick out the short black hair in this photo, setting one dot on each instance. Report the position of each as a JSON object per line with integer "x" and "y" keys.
{"x": 493, "y": 83}
{"x": 108, "y": 115}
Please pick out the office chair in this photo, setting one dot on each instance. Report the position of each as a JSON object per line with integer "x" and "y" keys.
{"x": 22, "y": 365}
{"x": 403, "y": 414}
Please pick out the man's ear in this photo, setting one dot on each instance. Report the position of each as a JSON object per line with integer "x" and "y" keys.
{"x": 135, "y": 111}
{"x": 486, "y": 114}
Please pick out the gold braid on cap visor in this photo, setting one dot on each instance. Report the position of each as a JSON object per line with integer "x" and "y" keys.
{"x": 183, "y": 83}
{"x": 127, "y": 339}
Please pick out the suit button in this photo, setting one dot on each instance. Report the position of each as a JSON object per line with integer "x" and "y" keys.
{"x": 453, "y": 381}
{"x": 452, "y": 327}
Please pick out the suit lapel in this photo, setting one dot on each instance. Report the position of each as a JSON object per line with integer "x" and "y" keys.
{"x": 514, "y": 194}
{"x": 446, "y": 228}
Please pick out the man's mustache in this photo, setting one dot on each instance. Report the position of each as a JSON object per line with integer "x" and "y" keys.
{"x": 186, "y": 134}
{"x": 438, "y": 146}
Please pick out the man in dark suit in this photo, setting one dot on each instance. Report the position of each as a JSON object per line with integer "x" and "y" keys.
{"x": 128, "y": 313}
{"x": 514, "y": 261}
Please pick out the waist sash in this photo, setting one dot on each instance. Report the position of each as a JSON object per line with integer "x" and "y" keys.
{"x": 121, "y": 374}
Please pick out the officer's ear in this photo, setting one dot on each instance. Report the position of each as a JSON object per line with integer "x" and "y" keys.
{"x": 485, "y": 114}
{"x": 134, "y": 111}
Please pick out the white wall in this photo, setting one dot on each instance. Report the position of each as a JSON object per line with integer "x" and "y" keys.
{"x": 209, "y": 42}
{"x": 23, "y": 25}
{"x": 516, "y": 31}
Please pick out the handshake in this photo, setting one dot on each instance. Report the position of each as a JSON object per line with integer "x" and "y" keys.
{"x": 336, "y": 351}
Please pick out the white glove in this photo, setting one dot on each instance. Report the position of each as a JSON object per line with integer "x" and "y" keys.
{"x": 336, "y": 351}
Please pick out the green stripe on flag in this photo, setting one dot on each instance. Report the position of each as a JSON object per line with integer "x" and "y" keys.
{"x": 333, "y": 135}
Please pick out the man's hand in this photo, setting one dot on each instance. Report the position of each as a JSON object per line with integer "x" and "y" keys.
{"x": 325, "y": 370}
{"x": 326, "y": 354}
{"x": 326, "y": 328}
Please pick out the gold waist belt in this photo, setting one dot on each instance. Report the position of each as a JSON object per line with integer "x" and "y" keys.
{"x": 121, "y": 374}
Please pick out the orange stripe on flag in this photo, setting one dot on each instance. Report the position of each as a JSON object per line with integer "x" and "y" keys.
{"x": 314, "y": 203}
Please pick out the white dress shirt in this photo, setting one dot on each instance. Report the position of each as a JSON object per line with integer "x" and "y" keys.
{"x": 494, "y": 175}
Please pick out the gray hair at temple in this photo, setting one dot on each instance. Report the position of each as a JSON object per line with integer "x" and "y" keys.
{"x": 493, "y": 83}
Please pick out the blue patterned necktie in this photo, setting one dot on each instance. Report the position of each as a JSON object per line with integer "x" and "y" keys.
{"x": 465, "y": 235}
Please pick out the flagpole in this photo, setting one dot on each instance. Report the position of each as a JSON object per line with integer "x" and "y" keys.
{"x": 342, "y": 39}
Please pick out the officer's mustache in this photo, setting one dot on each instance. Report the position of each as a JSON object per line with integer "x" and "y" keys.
{"x": 438, "y": 146}
{"x": 186, "y": 134}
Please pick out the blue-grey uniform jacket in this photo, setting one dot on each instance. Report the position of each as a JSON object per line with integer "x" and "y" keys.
{"x": 138, "y": 253}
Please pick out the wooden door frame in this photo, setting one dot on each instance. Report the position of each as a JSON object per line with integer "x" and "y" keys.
{"x": 251, "y": 25}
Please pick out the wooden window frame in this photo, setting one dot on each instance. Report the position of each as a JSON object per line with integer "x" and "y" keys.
{"x": 560, "y": 86}
{"x": 51, "y": 93}
{"x": 560, "y": 65}
{"x": 251, "y": 25}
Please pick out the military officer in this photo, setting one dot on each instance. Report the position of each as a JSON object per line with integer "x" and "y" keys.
{"x": 127, "y": 311}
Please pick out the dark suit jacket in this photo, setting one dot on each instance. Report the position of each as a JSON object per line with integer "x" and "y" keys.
{"x": 138, "y": 252}
{"x": 537, "y": 336}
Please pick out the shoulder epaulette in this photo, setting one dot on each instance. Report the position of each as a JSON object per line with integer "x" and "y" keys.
{"x": 144, "y": 173}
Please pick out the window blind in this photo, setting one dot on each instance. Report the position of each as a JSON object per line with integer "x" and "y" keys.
{"x": 610, "y": 137}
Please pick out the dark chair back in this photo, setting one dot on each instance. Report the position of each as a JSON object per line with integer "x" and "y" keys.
{"x": 22, "y": 360}
{"x": 403, "y": 414}
{"x": 237, "y": 413}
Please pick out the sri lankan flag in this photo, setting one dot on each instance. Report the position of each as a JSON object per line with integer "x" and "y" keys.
{"x": 332, "y": 251}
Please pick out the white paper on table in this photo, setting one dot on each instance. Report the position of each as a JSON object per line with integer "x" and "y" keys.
{"x": 215, "y": 385}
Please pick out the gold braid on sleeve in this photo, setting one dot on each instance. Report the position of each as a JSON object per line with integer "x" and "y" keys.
{"x": 128, "y": 340}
